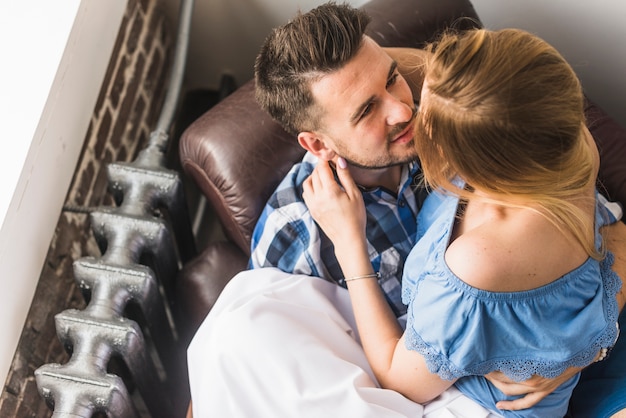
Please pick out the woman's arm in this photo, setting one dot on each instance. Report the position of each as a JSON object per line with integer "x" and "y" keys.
{"x": 341, "y": 215}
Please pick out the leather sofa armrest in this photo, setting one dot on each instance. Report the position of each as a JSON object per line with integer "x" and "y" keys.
{"x": 237, "y": 155}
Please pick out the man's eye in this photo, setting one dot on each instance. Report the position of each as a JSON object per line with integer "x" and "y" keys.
{"x": 366, "y": 111}
{"x": 392, "y": 80}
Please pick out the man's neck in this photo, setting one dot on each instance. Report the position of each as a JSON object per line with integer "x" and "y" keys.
{"x": 388, "y": 178}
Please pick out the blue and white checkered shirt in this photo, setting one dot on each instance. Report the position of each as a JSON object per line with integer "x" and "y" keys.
{"x": 287, "y": 237}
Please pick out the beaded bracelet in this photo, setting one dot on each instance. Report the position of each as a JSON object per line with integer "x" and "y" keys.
{"x": 366, "y": 276}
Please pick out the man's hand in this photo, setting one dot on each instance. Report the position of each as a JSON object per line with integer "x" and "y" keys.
{"x": 536, "y": 388}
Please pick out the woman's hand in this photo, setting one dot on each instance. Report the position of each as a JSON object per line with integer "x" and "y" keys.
{"x": 338, "y": 209}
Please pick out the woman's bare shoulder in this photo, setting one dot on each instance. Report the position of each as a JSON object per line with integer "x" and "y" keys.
{"x": 514, "y": 254}
{"x": 482, "y": 258}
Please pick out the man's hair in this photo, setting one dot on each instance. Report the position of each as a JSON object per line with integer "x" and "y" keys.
{"x": 505, "y": 112}
{"x": 308, "y": 47}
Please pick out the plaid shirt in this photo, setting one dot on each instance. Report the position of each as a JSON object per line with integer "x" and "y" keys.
{"x": 287, "y": 237}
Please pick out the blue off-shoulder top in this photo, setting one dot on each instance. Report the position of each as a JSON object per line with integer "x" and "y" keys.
{"x": 464, "y": 332}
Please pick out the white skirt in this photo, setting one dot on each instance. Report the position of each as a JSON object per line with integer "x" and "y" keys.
{"x": 284, "y": 345}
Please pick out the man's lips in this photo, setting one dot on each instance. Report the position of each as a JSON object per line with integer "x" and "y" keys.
{"x": 405, "y": 136}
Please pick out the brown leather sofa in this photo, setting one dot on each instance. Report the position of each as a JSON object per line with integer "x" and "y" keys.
{"x": 236, "y": 154}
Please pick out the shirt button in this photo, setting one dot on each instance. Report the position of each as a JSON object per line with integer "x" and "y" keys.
{"x": 401, "y": 203}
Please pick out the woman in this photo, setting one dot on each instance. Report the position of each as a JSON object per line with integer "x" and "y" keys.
{"x": 509, "y": 272}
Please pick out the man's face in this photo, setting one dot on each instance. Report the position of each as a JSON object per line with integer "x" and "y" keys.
{"x": 367, "y": 110}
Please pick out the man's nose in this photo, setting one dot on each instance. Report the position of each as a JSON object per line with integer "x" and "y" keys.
{"x": 399, "y": 112}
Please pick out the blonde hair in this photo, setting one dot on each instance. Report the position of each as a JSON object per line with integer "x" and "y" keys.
{"x": 503, "y": 110}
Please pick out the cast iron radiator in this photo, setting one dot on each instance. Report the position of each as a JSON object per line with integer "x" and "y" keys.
{"x": 143, "y": 240}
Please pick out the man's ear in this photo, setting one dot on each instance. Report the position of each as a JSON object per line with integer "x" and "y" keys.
{"x": 317, "y": 146}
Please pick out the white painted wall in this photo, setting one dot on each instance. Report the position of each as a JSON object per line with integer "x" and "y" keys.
{"x": 226, "y": 35}
{"x": 54, "y": 58}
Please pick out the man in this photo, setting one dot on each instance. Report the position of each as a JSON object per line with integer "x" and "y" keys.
{"x": 362, "y": 111}
{"x": 347, "y": 100}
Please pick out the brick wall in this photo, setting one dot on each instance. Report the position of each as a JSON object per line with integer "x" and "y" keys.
{"x": 126, "y": 112}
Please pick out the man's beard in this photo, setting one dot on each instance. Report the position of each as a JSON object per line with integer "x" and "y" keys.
{"x": 380, "y": 163}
